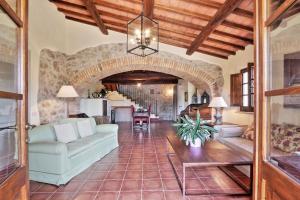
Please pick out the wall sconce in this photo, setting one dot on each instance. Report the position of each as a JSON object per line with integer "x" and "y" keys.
{"x": 170, "y": 92}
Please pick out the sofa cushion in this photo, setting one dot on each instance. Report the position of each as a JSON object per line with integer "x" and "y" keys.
{"x": 65, "y": 133}
{"x": 84, "y": 128}
{"x": 239, "y": 144}
{"x": 249, "y": 133}
{"x": 285, "y": 137}
{"x": 80, "y": 145}
{"x": 234, "y": 131}
{"x": 42, "y": 133}
{"x": 74, "y": 121}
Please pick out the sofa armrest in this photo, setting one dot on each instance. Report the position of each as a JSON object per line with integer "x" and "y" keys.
{"x": 48, "y": 157}
{"x": 234, "y": 131}
{"x": 48, "y": 147}
{"x": 107, "y": 128}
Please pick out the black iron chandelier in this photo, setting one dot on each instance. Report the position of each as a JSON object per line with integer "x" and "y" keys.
{"x": 142, "y": 36}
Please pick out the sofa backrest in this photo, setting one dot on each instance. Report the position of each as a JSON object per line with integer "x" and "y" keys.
{"x": 46, "y": 132}
{"x": 42, "y": 133}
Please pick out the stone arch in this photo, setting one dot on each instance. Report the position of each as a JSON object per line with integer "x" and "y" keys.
{"x": 90, "y": 65}
{"x": 197, "y": 72}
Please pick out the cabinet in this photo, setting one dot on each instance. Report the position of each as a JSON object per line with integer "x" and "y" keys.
{"x": 94, "y": 107}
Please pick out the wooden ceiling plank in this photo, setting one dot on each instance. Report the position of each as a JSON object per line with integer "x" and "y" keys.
{"x": 148, "y": 8}
{"x": 71, "y": 9}
{"x": 172, "y": 21}
{"x": 71, "y": 2}
{"x": 203, "y": 17}
{"x": 90, "y": 5}
{"x": 216, "y": 5}
{"x": 168, "y": 41}
{"x": 220, "y": 16}
{"x": 161, "y": 34}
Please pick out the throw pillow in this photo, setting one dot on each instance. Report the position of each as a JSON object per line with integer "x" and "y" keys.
{"x": 235, "y": 131}
{"x": 84, "y": 128}
{"x": 65, "y": 133}
{"x": 286, "y": 137}
{"x": 249, "y": 133}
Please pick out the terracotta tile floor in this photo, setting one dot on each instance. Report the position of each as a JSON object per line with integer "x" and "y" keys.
{"x": 137, "y": 170}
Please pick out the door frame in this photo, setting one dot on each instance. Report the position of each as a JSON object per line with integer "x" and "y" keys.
{"x": 270, "y": 182}
{"x": 16, "y": 186}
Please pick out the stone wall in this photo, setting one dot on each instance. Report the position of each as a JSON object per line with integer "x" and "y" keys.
{"x": 87, "y": 67}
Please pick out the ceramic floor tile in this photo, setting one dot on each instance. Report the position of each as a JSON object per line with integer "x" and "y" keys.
{"x": 91, "y": 186}
{"x": 85, "y": 196}
{"x": 152, "y": 184}
{"x": 111, "y": 185}
{"x": 153, "y": 195}
{"x": 139, "y": 170}
{"x": 131, "y": 185}
{"x": 130, "y": 196}
{"x": 40, "y": 196}
{"x": 107, "y": 196}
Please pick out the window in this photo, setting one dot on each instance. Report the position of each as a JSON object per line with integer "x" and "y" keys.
{"x": 283, "y": 92}
{"x": 247, "y": 97}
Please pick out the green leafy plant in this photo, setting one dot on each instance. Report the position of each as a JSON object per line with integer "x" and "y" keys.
{"x": 189, "y": 129}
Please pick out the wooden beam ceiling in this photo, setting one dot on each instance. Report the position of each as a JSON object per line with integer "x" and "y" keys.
{"x": 139, "y": 76}
{"x": 179, "y": 25}
{"x": 203, "y": 17}
{"x": 168, "y": 40}
{"x": 172, "y": 21}
{"x": 96, "y": 16}
{"x": 217, "y": 5}
{"x": 163, "y": 33}
{"x": 220, "y": 16}
{"x": 79, "y": 11}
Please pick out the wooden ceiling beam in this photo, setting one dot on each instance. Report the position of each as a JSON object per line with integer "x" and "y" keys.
{"x": 217, "y": 6}
{"x": 220, "y": 16}
{"x": 164, "y": 40}
{"x": 90, "y": 5}
{"x": 148, "y": 8}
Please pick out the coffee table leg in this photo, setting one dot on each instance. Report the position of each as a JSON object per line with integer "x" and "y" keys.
{"x": 183, "y": 181}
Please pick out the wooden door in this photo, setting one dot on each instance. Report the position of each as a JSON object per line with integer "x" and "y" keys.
{"x": 277, "y": 159}
{"x": 13, "y": 100}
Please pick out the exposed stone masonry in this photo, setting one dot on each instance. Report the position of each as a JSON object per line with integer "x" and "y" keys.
{"x": 87, "y": 67}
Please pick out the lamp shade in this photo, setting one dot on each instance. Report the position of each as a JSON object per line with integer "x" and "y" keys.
{"x": 67, "y": 91}
{"x": 218, "y": 102}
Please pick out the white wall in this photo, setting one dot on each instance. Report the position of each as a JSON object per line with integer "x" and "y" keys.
{"x": 49, "y": 29}
{"x": 232, "y": 66}
{"x": 46, "y": 30}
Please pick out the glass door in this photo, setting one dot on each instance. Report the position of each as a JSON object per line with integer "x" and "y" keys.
{"x": 278, "y": 102}
{"x": 13, "y": 99}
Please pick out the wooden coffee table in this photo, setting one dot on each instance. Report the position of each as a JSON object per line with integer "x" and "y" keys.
{"x": 212, "y": 154}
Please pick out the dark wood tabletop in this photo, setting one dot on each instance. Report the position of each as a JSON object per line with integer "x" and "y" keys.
{"x": 213, "y": 153}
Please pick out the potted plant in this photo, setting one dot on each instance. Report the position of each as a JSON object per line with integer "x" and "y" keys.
{"x": 194, "y": 132}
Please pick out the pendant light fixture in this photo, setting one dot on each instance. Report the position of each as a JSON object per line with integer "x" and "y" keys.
{"x": 142, "y": 35}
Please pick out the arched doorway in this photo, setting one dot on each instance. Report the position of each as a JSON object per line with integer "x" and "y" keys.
{"x": 90, "y": 65}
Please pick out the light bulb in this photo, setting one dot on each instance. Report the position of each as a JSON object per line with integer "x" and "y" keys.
{"x": 147, "y": 33}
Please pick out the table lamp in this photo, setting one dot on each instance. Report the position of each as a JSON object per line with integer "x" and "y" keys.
{"x": 218, "y": 103}
{"x": 67, "y": 92}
